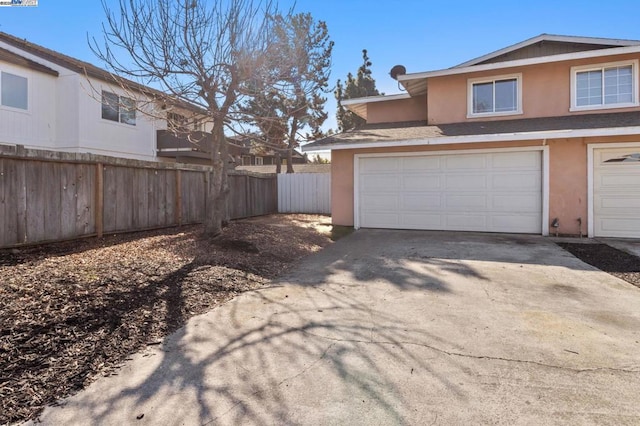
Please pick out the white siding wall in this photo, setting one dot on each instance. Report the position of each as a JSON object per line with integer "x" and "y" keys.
{"x": 35, "y": 127}
{"x": 65, "y": 114}
{"x": 68, "y": 112}
{"x": 106, "y": 137}
{"x": 304, "y": 193}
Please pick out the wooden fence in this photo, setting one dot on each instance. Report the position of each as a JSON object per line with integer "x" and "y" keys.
{"x": 50, "y": 196}
{"x": 304, "y": 193}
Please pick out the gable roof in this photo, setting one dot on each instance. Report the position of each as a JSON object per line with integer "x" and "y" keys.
{"x": 14, "y": 58}
{"x": 418, "y": 133}
{"x": 572, "y": 43}
{"x": 86, "y": 68}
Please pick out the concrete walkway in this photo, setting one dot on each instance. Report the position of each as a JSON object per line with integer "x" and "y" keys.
{"x": 396, "y": 327}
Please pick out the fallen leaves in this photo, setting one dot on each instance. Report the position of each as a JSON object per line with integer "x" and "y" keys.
{"x": 73, "y": 311}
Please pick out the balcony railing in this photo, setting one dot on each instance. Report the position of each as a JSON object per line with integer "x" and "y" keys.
{"x": 178, "y": 145}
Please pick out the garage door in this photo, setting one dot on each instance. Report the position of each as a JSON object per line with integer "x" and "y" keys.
{"x": 488, "y": 192}
{"x": 616, "y": 192}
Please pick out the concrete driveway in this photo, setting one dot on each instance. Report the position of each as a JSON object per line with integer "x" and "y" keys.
{"x": 396, "y": 327}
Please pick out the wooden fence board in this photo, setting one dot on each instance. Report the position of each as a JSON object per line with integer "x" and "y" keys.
{"x": 109, "y": 208}
{"x": 35, "y": 184}
{"x": 68, "y": 201}
{"x": 86, "y": 199}
{"x": 53, "y": 197}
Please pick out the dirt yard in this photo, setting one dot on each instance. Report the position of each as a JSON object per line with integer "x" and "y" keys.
{"x": 608, "y": 259}
{"x": 74, "y": 311}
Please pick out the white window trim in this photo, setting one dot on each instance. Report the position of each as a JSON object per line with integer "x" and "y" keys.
{"x": 29, "y": 100}
{"x": 493, "y": 79}
{"x": 599, "y": 67}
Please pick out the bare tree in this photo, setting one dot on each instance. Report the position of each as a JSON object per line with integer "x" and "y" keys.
{"x": 201, "y": 52}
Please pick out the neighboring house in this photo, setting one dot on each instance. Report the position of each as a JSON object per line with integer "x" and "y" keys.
{"x": 52, "y": 101}
{"x": 247, "y": 152}
{"x": 540, "y": 137}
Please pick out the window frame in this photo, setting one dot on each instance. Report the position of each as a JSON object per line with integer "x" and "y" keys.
{"x": 119, "y": 109}
{"x": 493, "y": 79}
{"x": 12, "y": 108}
{"x": 602, "y": 67}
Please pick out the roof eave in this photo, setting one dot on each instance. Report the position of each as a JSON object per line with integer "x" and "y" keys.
{"x": 549, "y": 37}
{"x": 407, "y": 79}
{"x": 496, "y": 137}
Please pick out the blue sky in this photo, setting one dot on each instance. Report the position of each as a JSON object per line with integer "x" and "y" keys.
{"x": 421, "y": 35}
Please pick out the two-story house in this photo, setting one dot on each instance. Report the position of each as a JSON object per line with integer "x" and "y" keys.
{"x": 540, "y": 137}
{"x": 52, "y": 101}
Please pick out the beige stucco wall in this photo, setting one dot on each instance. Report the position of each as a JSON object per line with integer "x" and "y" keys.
{"x": 545, "y": 91}
{"x": 568, "y": 191}
{"x": 412, "y": 109}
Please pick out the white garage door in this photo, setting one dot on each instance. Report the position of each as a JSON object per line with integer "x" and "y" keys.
{"x": 616, "y": 192}
{"x": 489, "y": 192}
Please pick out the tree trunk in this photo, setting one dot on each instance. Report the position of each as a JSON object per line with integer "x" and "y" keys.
{"x": 278, "y": 163}
{"x": 290, "y": 160}
{"x": 217, "y": 184}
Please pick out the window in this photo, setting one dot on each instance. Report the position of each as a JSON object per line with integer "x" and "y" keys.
{"x": 604, "y": 86}
{"x": 118, "y": 108}
{"x": 259, "y": 161}
{"x": 496, "y": 96}
{"x": 13, "y": 91}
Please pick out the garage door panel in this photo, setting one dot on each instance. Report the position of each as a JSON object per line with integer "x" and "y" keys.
{"x": 381, "y": 183}
{"x": 465, "y": 162}
{"x": 465, "y": 182}
{"x": 520, "y": 181}
{"x": 466, "y": 222}
{"x": 515, "y": 160}
{"x": 421, "y": 182}
{"x": 466, "y": 202}
{"x": 527, "y": 202}
{"x": 381, "y": 220}
{"x": 421, "y": 163}
{"x": 381, "y": 165}
{"x": 421, "y": 202}
{"x": 617, "y": 227}
{"x": 422, "y": 221}
{"x": 620, "y": 202}
{"x": 616, "y": 193}
{"x": 489, "y": 192}
{"x": 619, "y": 180}
{"x": 520, "y": 223}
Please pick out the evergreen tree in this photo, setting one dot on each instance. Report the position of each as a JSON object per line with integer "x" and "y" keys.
{"x": 355, "y": 87}
{"x": 291, "y": 110}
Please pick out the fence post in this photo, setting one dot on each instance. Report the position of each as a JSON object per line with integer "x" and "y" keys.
{"x": 178, "y": 208}
{"x": 99, "y": 214}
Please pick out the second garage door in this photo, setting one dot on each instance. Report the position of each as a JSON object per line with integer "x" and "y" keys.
{"x": 488, "y": 192}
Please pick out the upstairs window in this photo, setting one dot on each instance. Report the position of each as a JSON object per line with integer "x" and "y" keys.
{"x": 604, "y": 86}
{"x": 13, "y": 91}
{"x": 495, "y": 96}
{"x": 118, "y": 108}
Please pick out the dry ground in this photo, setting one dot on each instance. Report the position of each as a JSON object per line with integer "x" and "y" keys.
{"x": 73, "y": 311}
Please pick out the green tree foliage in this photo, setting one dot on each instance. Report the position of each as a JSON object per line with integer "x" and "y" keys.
{"x": 291, "y": 110}
{"x": 363, "y": 84}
